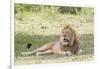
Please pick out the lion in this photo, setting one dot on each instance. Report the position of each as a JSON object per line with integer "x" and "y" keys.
{"x": 67, "y": 44}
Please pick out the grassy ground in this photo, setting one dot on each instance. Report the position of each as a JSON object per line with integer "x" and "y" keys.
{"x": 51, "y": 59}
{"x": 39, "y": 30}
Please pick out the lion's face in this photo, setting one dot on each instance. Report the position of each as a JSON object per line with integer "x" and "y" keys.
{"x": 66, "y": 36}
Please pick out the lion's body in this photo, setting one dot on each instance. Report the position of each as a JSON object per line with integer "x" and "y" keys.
{"x": 68, "y": 44}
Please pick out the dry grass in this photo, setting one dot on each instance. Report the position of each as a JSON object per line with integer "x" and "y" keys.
{"x": 51, "y": 59}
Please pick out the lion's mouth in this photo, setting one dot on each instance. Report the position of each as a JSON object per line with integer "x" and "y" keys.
{"x": 66, "y": 40}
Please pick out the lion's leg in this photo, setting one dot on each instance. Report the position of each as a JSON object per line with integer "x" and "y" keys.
{"x": 64, "y": 53}
{"x": 43, "y": 48}
{"x": 68, "y": 53}
{"x": 45, "y": 52}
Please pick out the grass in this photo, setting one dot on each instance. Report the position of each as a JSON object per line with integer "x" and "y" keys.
{"x": 38, "y": 30}
{"x": 51, "y": 59}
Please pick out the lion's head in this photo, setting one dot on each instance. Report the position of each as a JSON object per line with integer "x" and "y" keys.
{"x": 68, "y": 36}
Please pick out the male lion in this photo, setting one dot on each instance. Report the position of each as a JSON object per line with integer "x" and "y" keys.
{"x": 68, "y": 44}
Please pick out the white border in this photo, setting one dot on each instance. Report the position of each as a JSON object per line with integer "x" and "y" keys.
{"x": 80, "y": 3}
{"x": 4, "y": 34}
{"x": 76, "y": 3}
{"x": 12, "y": 35}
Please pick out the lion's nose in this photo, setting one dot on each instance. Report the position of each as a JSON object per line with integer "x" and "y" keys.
{"x": 64, "y": 35}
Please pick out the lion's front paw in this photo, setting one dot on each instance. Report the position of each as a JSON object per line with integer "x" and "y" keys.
{"x": 68, "y": 53}
{"x": 80, "y": 52}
